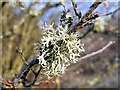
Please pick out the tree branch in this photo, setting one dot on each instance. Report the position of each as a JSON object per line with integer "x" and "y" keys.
{"x": 92, "y": 8}
{"x": 97, "y": 52}
{"x": 23, "y": 59}
{"x": 87, "y": 17}
{"x": 106, "y": 32}
{"x": 113, "y": 12}
{"x": 90, "y": 28}
{"x": 21, "y": 55}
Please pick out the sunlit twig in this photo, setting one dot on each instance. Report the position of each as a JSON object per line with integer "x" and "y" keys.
{"x": 97, "y": 52}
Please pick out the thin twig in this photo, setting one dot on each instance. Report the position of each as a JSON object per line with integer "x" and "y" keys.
{"x": 92, "y": 8}
{"x": 23, "y": 59}
{"x": 21, "y": 55}
{"x": 87, "y": 17}
{"x": 75, "y": 9}
{"x": 97, "y": 52}
{"x": 106, "y": 31}
{"x": 113, "y": 12}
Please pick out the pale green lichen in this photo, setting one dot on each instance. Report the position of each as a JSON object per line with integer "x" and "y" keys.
{"x": 58, "y": 49}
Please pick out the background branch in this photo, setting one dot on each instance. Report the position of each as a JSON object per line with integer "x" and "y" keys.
{"x": 23, "y": 20}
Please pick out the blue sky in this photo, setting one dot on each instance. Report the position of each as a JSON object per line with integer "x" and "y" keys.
{"x": 82, "y": 6}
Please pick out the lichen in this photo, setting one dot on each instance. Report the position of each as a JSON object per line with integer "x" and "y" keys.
{"x": 57, "y": 49}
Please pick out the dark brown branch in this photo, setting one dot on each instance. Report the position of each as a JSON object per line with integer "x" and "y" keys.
{"x": 23, "y": 59}
{"x": 90, "y": 28}
{"x": 92, "y": 8}
{"x": 87, "y": 17}
{"x": 107, "y": 32}
{"x": 75, "y": 9}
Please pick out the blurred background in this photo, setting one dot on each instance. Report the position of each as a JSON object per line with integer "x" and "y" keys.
{"x": 20, "y": 27}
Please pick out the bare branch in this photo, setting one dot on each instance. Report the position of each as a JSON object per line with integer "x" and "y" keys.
{"x": 75, "y": 9}
{"x": 87, "y": 17}
{"x": 23, "y": 59}
{"x": 90, "y": 28}
{"x": 21, "y": 55}
{"x": 113, "y": 12}
{"x": 97, "y": 52}
{"x": 92, "y": 8}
